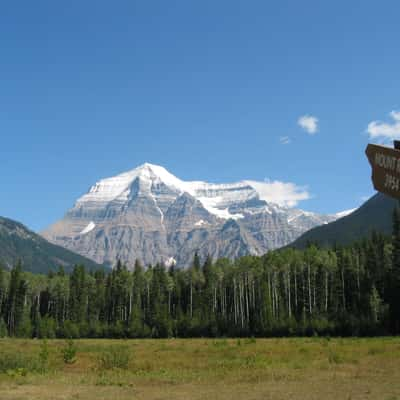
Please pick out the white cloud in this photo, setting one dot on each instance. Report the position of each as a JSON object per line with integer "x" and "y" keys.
{"x": 383, "y": 130}
{"x": 285, "y": 140}
{"x": 309, "y": 123}
{"x": 285, "y": 194}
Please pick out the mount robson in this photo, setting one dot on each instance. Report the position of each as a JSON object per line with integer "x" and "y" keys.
{"x": 150, "y": 215}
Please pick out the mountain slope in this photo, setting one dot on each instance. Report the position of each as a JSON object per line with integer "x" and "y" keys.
{"x": 151, "y": 215}
{"x": 375, "y": 214}
{"x": 36, "y": 254}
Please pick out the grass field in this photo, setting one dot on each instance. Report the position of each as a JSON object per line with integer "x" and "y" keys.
{"x": 202, "y": 369}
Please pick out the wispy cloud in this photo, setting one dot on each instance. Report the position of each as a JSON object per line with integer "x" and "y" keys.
{"x": 309, "y": 123}
{"x": 283, "y": 193}
{"x": 285, "y": 140}
{"x": 385, "y": 130}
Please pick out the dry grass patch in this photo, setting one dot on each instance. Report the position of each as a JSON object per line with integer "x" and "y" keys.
{"x": 176, "y": 369}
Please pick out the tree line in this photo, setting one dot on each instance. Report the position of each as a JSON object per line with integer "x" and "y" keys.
{"x": 347, "y": 290}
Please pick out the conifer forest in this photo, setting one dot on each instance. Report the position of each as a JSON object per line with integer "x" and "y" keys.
{"x": 342, "y": 291}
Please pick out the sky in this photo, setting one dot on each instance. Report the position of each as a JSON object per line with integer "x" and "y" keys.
{"x": 222, "y": 91}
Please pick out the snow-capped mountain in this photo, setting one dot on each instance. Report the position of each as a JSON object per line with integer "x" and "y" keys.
{"x": 151, "y": 215}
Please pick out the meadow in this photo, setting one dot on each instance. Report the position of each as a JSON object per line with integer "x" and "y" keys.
{"x": 285, "y": 368}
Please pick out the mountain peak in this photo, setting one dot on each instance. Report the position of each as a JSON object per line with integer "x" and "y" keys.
{"x": 149, "y": 167}
{"x": 118, "y": 187}
{"x": 152, "y": 171}
{"x": 224, "y": 200}
{"x": 148, "y": 213}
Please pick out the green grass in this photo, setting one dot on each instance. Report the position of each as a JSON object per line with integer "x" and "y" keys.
{"x": 307, "y": 368}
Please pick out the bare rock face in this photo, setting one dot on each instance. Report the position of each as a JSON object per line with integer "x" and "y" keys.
{"x": 150, "y": 215}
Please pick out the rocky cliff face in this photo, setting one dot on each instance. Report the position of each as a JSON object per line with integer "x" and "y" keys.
{"x": 150, "y": 215}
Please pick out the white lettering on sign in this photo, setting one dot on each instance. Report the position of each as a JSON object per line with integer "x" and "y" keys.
{"x": 385, "y": 163}
{"x": 391, "y": 182}
{"x": 388, "y": 162}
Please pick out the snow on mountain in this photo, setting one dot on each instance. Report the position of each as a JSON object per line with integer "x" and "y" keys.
{"x": 170, "y": 262}
{"x": 149, "y": 214}
{"x": 344, "y": 213}
{"x": 118, "y": 187}
{"x": 215, "y": 198}
{"x": 89, "y": 228}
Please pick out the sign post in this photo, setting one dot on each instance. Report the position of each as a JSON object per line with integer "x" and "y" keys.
{"x": 385, "y": 163}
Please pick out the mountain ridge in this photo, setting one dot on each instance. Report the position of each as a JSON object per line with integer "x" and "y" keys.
{"x": 151, "y": 215}
{"x": 374, "y": 215}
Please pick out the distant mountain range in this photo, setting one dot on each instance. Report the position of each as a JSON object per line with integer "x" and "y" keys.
{"x": 36, "y": 254}
{"x": 375, "y": 214}
{"x": 150, "y": 215}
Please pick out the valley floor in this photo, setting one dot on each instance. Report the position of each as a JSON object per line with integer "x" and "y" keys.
{"x": 231, "y": 369}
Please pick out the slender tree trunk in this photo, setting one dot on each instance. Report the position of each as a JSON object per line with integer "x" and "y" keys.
{"x": 309, "y": 289}
{"x": 295, "y": 287}
{"x": 130, "y": 303}
{"x": 289, "y": 304}
{"x": 241, "y": 302}
{"x": 272, "y": 295}
{"x": 304, "y": 296}
{"x": 326, "y": 291}
{"x": 358, "y": 279}
{"x": 247, "y": 300}
{"x": 343, "y": 290}
{"x": 315, "y": 291}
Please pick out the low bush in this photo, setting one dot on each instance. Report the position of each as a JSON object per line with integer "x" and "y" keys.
{"x": 69, "y": 352}
{"x": 16, "y": 361}
{"x": 20, "y": 364}
{"x": 334, "y": 357}
{"x": 115, "y": 357}
{"x": 43, "y": 357}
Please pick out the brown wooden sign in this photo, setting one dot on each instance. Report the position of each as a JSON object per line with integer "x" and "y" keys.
{"x": 385, "y": 163}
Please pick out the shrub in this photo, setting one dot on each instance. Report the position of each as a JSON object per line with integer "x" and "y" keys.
{"x": 16, "y": 361}
{"x": 115, "y": 357}
{"x": 372, "y": 351}
{"x": 117, "y": 330}
{"x": 17, "y": 372}
{"x": 3, "y": 328}
{"x": 47, "y": 328}
{"x": 70, "y": 330}
{"x": 24, "y": 328}
{"x": 250, "y": 340}
{"x": 96, "y": 329}
{"x": 69, "y": 352}
{"x": 43, "y": 356}
{"x": 334, "y": 358}
{"x": 19, "y": 364}
{"x": 220, "y": 343}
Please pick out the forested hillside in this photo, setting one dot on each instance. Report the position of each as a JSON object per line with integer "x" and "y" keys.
{"x": 373, "y": 215}
{"x": 35, "y": 253}
{"x": 342, "y": 291}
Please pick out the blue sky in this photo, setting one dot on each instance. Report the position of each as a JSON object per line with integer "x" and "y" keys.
{"x": 211, "y": 90}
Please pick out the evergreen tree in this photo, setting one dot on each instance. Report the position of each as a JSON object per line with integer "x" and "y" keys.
{"x": 352, "y": 290}
{"x": 15, "y": 299}
{"x": 78, "y": 300}
{"x": 394, "y": 291}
